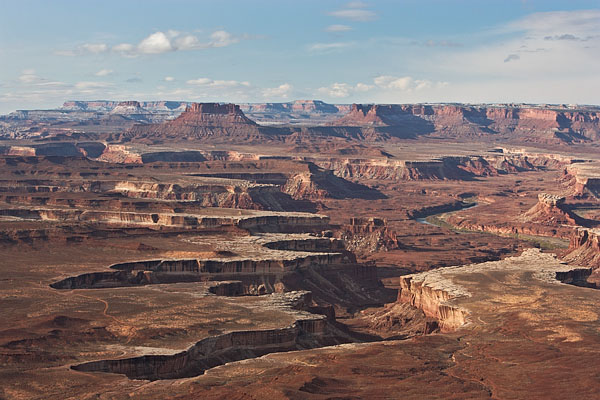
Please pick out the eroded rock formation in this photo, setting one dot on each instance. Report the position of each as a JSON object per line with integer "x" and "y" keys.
{"x": 309, "y": 331}
{"x": 528, "y": 124}
{"x": 202, "y": 121}
{"x": 438, "y": 294}
{"x": 368, "y": 235}
{"x": 584, "y": 250}
{"x": 551, "y": 210}
{"x": 425, "y": 292}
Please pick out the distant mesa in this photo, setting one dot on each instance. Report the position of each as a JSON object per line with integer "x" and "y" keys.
{"x": 386, "y": 121}
{"x": 212, "y": 115}
{"x": 205, "y": 110}
{"x": 109, "y": 105}
{"x": 523, "y": 123}
{"x": 202, "y": 121}
{"x": 312, "y": 106}
{"x": 307, "y": 121}
{"x": 128, "y": 107}
{"x": 298, "y": 107}
{"x": 374, "y": 115}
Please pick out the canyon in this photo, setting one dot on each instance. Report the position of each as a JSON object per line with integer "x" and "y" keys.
{"x": 169, "y": 249}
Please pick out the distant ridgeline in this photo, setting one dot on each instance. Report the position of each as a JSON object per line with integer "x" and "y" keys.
{"x": 307, "y": 121}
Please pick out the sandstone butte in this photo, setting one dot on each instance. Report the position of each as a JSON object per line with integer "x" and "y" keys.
{"x": 203, "y": 121}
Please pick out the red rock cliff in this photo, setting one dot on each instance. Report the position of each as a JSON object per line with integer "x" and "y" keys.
{"x": 528, "y": 123}
{"x": 202, "y": 121}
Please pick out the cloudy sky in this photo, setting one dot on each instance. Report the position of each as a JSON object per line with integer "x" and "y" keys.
{"x": 400, "y": 51}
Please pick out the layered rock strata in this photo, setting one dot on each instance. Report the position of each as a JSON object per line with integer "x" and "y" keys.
{"x": 584, "y": 250}
{"x": 442, "y": 168}
{"x": 309, "y": 331}
{"x": 529, "y": 124}
{"x": 551, "y": 210}
{"x": 202, "y": 121}
{"x": 438, "y": 294}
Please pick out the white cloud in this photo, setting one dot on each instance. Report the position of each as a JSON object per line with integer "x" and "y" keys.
{"x": 186, "y": 42}
{"x": 283, "y": 90}
{"x": 354, "y": 11}
{"x": 217, "y": 83}
{"x": 124, "y": 49}
{"x": 392, "y": 82}
{"x": 362, "y": 87}
{"x": 169, "y": 79}
{"x": 87, "y": 85}
{"x": 336, "y": 90}
{"x": 403, "y": 84}
{"x": 29, "y": 80}
{"x": 95, "y": 48}
{"x": 425, "y": 84}
{"x": 200, "y": 81}
{"x": 576, "y": 23}
{"x": 51, "y": 84}
{"x": 325, "y": 47}
{"x": 541, "y": 47}
{"x": 385, "y": 89}
{"x": 222, "y": 39}
{"x": 568, "y": 36}
{"x": 338, "y": 28}
{"x": 29, "y": 76}
{"x": 160, "y": 42}
{"x": 104, "y": 72}
{"x": 156, "y": 43}
{"x": 548, "y": 57}
{"x": 384, "y": 84}
{"x": 354, "y": 14}
{"x": 341, "y": 90}
{"x": 230, "y": 83}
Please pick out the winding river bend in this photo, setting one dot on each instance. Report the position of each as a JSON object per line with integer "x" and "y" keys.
{"x": 436, "y": 218}
{"x": 426, "y": 219}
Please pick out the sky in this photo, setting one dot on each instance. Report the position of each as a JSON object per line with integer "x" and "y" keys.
{"x": 402, "y": 51}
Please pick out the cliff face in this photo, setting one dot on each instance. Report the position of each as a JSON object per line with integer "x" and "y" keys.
{"x": 433, "y": 300}
{"x": 375, "y": 115}
{"x": 318, "y": 183}
{"x": 551, "y": 210}
{"x": 455, "y": 168}
{"x": 533, "y": 124}
{"x": 582, "y": 179}
{"x": 308, "y": 331}
{"x": 406, "y": 120}
{"x": 584, "y": 248}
